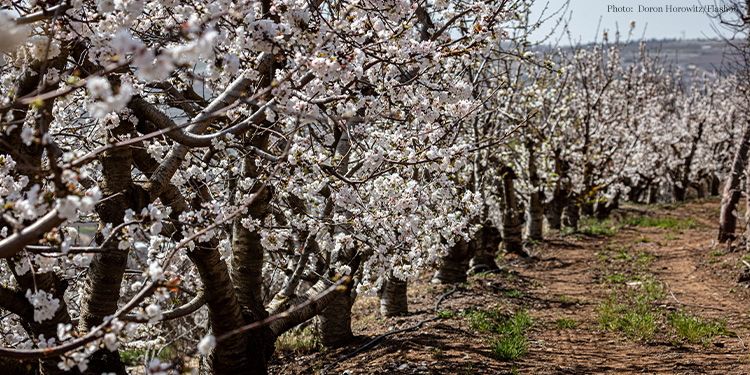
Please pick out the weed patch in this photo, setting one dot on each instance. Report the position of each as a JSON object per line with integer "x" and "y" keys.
{"x": 598, "y": 227}
{"x": 508, "y": 340}
{"x": 661, "y": 222}
{"x": 634, "y": 319}
{"x": 696, "y": 330}
{"x": 515, "y": 293}
{"x": 564, "y": 323}
{"x": 303, "y": 341}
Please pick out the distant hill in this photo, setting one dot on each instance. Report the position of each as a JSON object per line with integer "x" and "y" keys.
{"x": 689, "y": 55}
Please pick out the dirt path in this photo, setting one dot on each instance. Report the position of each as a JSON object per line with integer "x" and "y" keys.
{"x": 601, "y": 301}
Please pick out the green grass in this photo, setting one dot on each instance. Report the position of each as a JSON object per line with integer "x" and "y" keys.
{"x": 598, "y": 227}
{"x": 511, "y": 342}
{"x": 445, "y": 314}
{"x": 437, "y": 350}
{"x": 661, "y": 222}
{"x": 564, "y": 323}
{"x": 697, "y": 330}
{"x": 622, "y": 254}
{"x": 636, "y": 320}
{"x": 515, "y": 293}
{"x": 303, "y": 341}
{"x": 132, "y": 357}
{"x": 616, "y": 278}
{"x": 643, "y": 259}
{"x": 135, "y": 357}
{"x": 509, "y": 347}
{"x": 508, "y": 340}
{"x": 630, "y": 311}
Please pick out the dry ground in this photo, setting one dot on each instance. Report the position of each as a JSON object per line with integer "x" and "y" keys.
{"x": 576, "y": 277}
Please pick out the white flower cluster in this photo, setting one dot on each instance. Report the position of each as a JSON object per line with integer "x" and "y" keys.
{"x": 45, "y": 304}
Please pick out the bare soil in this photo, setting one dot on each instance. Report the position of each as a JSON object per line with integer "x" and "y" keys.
{"x": 572, "y": 277}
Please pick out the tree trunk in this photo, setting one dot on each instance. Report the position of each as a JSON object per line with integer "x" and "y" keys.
{"x": 727, "y": 219}
{"x": 604, "y": 209}
{"x": 334, "y": 323}
{"x": 393, "y": 300}
{"x": 715, "y": 185}
{"x": 101, "y": 290}
{"x": 553, "y": 212}
{"x": 535, "y": 210}
{"x": 747, "y": 212}
{"x": 570, "y": 213}
{"x": 224, "y": 313}
{"x": 29, "y": 163}
{"x": 512, "y": 218}
{"x": 247, "y": 275}
{"x": 653, "y": 193}
{"x": 454, "y": 264}
{"x": 484, "y": 247}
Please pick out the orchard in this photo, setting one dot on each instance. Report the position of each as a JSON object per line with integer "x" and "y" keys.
{"x": 208, "y": 175}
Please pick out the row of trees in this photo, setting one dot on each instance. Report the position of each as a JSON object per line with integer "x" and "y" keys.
{"x": 253, "y": 165}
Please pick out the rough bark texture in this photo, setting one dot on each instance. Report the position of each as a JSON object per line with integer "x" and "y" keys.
{"x": 224, "y": 314}
{"x": 101, "y": 290}
{"x": 393, "y": 300}
{"x": 29, "y": 163}
{"x": 747, "y": 213}
{"x": 333, "y": 325}
{"x": 555, "y": 207}
{"x": 454, "y": 264}
{"x": 727, "y": 220}
{"x": 247, "y": 278}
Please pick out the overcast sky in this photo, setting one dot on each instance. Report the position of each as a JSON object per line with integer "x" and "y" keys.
{"x": 650, "y": 23}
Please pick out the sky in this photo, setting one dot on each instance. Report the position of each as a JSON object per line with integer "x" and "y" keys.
{"x": 658, "y": 22}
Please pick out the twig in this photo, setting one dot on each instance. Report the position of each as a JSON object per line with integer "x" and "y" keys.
{"x": 741, "y": 341}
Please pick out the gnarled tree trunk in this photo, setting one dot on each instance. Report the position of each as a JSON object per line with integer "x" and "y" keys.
{"x": 101, "y": 290}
